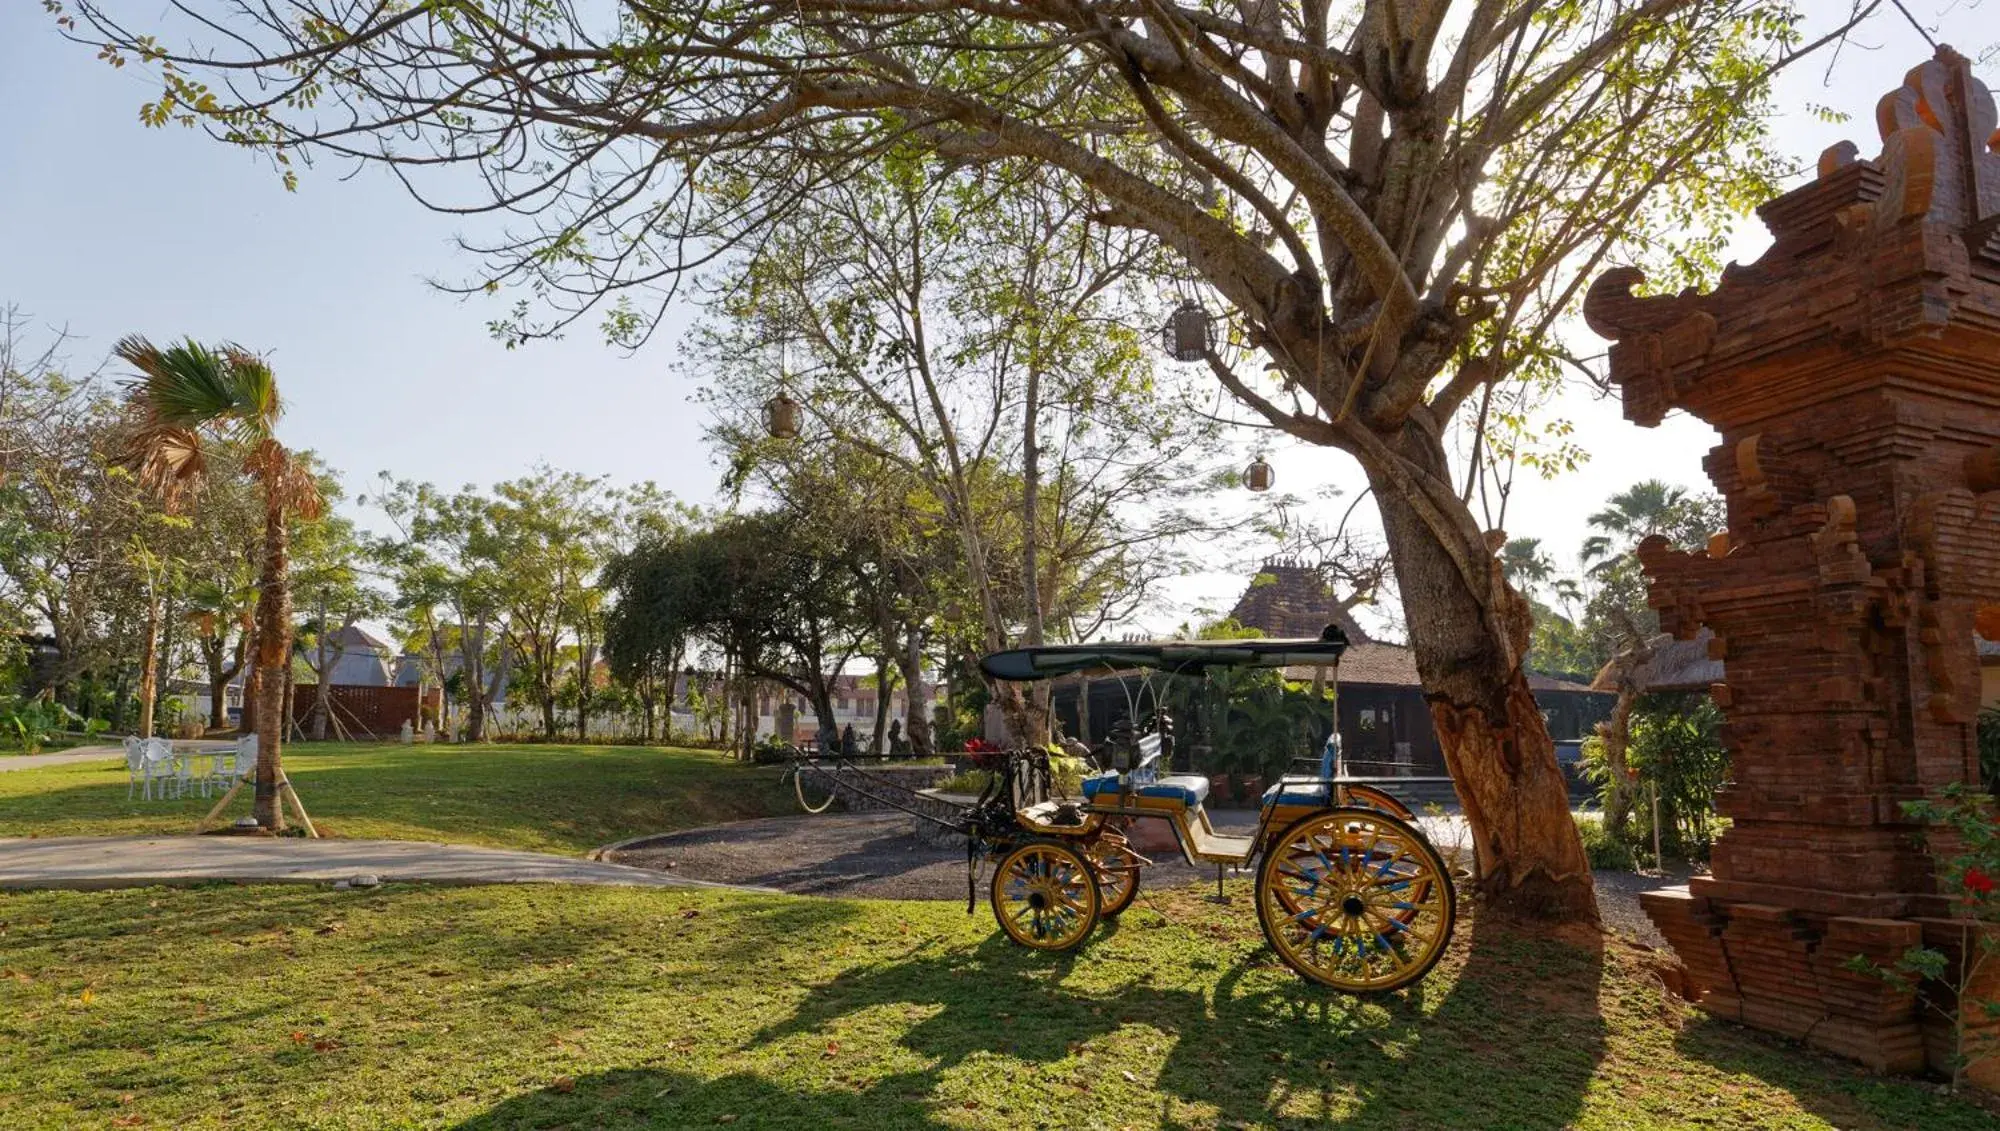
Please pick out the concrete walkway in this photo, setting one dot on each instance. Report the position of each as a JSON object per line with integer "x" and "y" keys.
{"x": 63, "y": 758}
{"x": 90, "y": 862}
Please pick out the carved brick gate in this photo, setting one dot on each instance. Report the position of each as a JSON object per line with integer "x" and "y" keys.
{"x": 1854, "y": 373}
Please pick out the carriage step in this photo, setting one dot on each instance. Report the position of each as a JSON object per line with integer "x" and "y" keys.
{"x": 1207, "y": 845}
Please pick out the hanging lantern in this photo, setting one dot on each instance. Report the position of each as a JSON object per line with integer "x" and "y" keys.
{"x": 1185, "y": 336}
{"x": 1258, "y": 476}
{"x": 781, "y": 417}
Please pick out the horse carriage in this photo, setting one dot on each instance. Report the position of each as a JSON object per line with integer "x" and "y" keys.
{"x": 1349, "y": 891}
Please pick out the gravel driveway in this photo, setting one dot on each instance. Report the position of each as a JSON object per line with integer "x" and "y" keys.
{"x": 874, "y": 856}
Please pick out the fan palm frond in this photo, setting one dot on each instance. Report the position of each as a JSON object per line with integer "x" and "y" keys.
{"x": 168, "y": 460}
{"x": 300, "y": 491}
{"x": 185, "y": 385}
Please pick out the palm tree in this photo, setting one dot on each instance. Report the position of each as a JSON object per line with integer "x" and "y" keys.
{"x": 189, "y": 396}
{"x": 1526, "y": 565}
{"x": 1647, "y": 508}
{"x": 214, "y": 608}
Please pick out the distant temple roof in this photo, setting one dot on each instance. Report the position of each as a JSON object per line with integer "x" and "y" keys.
{"x": 1289, "y": 600}
{"x": 1292, "y": 600}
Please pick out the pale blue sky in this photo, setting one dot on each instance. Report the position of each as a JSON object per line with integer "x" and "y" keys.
{"x": 111, "y": 228}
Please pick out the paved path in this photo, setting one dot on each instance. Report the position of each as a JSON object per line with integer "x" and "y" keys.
{"x": 63, "y": 758}
{"x": 98, "y": 754}
{"x": 86, "y": 862}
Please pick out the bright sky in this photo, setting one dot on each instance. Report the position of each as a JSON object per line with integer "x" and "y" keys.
{"x": 109, "y": 228}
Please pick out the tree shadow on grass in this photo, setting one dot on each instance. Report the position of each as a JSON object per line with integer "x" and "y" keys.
{"x": 1842, "y": 1092}
{"x": 632, "y": 1098}
{"x": 1511, "y": 1042}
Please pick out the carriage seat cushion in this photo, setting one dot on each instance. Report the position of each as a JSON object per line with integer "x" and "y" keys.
{"x": 1106, "y": 782}
{"x": 1188, "y": 788}
{"x": 1298, "y": 793}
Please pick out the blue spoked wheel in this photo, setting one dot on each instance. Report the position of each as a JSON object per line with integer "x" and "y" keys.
{"x": 1045, "y": 896}
{"x": 1356, "y": 899}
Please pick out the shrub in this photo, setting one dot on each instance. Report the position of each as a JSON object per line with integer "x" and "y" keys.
{"x": 770, "y": 750}
{"x": 1677, "y": 746}
{"x": 1603, "y": 849}
{"x": 1968, "y": 859}
{"x": 28, "y": 724}
{"x": 967, "y": 781}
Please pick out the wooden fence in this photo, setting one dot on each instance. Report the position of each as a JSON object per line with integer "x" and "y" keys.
{"x": 360, "y": 711}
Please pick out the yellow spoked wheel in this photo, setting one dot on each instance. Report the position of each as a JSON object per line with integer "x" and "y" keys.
{"x": 1368, "y": 797}
{"x": 1355, "y": 899}
{"x": 1045, "y": 896}
{"x": 1117, "y": 873}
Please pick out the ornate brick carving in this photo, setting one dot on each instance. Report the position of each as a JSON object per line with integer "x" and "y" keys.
{"x": 1854, "y": 373}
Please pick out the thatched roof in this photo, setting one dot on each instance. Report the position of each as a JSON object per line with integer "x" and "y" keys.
{"x": 1288, "y": 600}
{"x": 1676, "y": 665}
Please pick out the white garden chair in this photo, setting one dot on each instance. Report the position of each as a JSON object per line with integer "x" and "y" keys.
{"x": 239, "y": 765}
{"x": 135, "y": 764}
{"x": 159, "y": 767}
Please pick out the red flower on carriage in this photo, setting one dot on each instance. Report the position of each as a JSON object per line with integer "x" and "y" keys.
{"x": 1977, "y": 880}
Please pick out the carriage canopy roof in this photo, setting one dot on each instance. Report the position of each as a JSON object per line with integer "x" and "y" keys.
{"x": 1191, "y": 657}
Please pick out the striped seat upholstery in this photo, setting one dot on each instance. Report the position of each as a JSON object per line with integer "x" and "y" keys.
{"x": 1187, "y": 788}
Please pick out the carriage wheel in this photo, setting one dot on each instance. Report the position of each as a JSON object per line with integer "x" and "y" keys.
{"x": 1117, "y": 871}
{"x": 1045, "y": 896}
{"x": 1355, "y": 899}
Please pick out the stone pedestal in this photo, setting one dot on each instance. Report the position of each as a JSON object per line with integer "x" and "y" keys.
{"x": 1854, "y": 373}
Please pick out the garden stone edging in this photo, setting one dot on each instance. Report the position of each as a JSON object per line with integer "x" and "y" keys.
{"x": 944, "y": 807}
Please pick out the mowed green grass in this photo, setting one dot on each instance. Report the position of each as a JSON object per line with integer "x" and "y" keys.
{"x": 548, "y": 1007}
{"x": 566, "y": 799}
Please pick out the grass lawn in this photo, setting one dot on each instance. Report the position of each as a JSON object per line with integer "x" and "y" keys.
{"x": 566, "y": 799}
{"x": 545, "y": 1007}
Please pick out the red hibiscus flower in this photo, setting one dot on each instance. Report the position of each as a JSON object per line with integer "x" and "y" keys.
{"x": 1979, "y": 881}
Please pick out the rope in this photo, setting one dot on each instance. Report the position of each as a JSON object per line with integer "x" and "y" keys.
{"x": 848, "y": 781}
{"x": 799, "y": 787}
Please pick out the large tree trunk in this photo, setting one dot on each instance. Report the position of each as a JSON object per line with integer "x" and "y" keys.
{"x": 916, "y": 695}
{"x": 588, "y": 654}
{"x": 472, "y": 664}
{"x": 1470, "y": 631}
{"x": 877, "y": 743}
{"x": 829, "y": 727}
{"x": 218, "y": 684}
{"x": 1616, "y": 731}
{"x": 1027, "y": 719}
{"x": 546, "y": 692}
{"x": 274, "y": 646}
{"x": 253, "y": 680}
{"x": 325, "y": 674}
{"x": 149, "y": 665}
